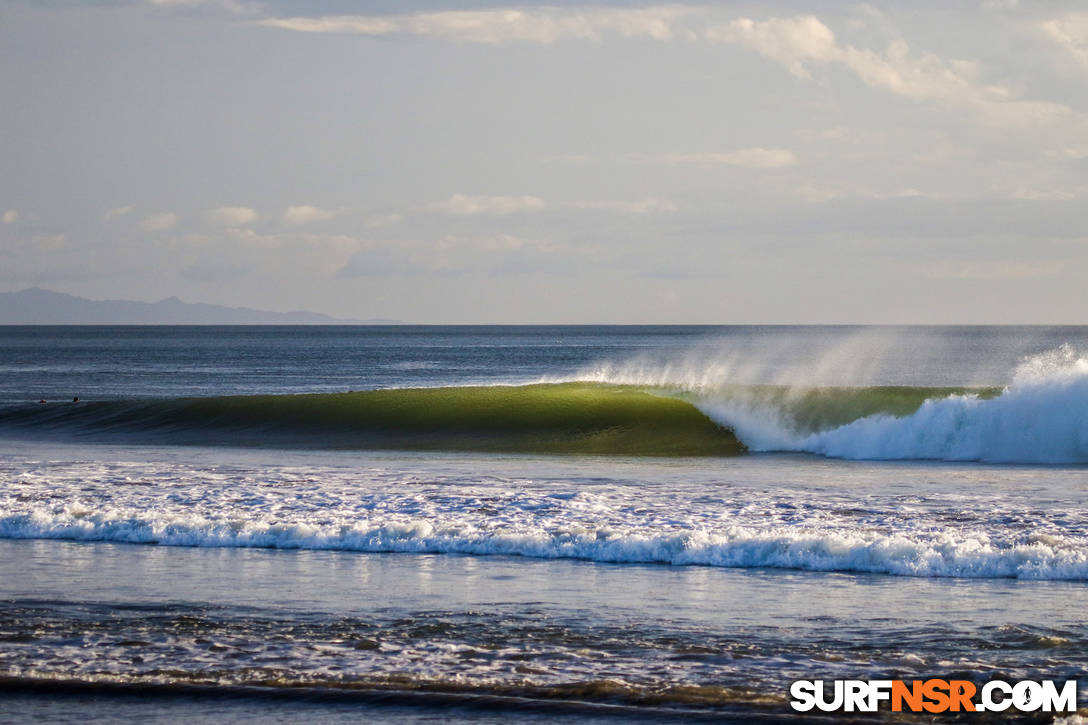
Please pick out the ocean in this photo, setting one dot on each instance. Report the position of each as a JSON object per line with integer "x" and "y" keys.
{"x": 540, "y": 524}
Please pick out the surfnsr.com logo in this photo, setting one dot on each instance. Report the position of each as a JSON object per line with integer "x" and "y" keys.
{"x": 933, "y": 696}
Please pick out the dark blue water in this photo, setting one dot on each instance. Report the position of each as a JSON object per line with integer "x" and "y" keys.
{"x": 110, "y": 362}
{"x": 119, "y": 362}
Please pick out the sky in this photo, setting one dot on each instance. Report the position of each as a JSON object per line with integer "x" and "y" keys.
{"x": 488, "y": 162}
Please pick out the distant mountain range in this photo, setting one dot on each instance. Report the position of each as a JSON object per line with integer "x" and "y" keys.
{"x": 36, "y": 306}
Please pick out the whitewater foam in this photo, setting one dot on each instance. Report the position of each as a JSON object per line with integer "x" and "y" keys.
{"x": 941, "y": 555}
{"x": 741, "y": 525}
{"x": 1041, "y": 416}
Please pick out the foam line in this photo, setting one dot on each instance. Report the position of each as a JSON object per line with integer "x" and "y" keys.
{"x": 923, "y": 554}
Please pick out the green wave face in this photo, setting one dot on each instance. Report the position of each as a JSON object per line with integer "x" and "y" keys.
{"x": 578, "y": 418}
{"x": 582, "y": 418}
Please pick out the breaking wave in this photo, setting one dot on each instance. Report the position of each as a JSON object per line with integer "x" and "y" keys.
{"x": 1040, "y": 417}
{"x": 584, "y": 418}
{"x": 904, "y": 553}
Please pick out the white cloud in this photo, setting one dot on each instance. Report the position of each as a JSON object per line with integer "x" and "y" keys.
{"x": 753, "y": 158}
{"x": 11, "y": 216}
{"x": 341, "y": 24}
{"x": 305, "y": 214}
{"x": 544, "y": 25}
{"x": 791, "y": 42}
{"x": 646, "y": 206}
{"x": 465, "y": 205}
{"x": 233, "y": 216}
{"x": 160, "y": 222}
{"x": 1071, "y": 33}
{"x": 800, "y": 43}
{"x": 118, "y": 212}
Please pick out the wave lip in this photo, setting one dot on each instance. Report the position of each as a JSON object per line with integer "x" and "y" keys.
{"x": 1040, "y": 420}
{"x": 1041, "y": 417}
{"x": 584, "y": 418}
{"x": 1043, "y": 424}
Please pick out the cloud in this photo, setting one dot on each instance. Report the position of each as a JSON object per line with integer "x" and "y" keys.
{"x": 233, "y": 216}
{"x": 753, "y": 158}
{"x": 306, "y": 214}
{"x": 160, "y": 222}
{"x": 790, "y": 42}
{"x": 250, "y": 238}
{"x": 118, "y": 212}
{"x": 801, "y": 43}
{"x": 465, "y": 205}
{"x": 11, "y": 216}
{"x": 1071, "y": 33}
{"x": 646, "y": 206}
{"x": 543, "y": 25}
{"x": 339, "y": 24}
